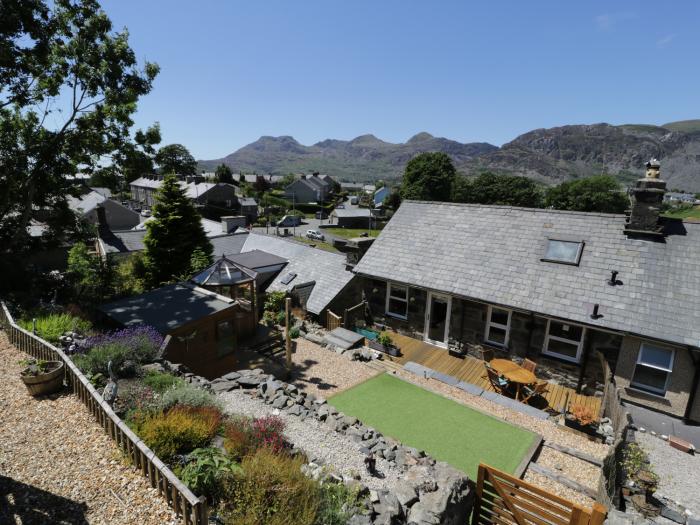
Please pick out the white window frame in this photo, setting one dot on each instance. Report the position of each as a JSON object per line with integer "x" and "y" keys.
{"x": 398, "y": 298}
{"x": 505, "y": 327}
{"x": 579, "y": 348}
{"x": 648, "y": 389}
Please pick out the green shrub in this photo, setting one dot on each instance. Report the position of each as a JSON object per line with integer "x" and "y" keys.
{"x": 177, "y": 431}
{"x": 280, "y": 318}
{"x": 337, "y": 504}
{"x": 52, "y": 326}
{"x": 274, "y": 301}
{"x": 384, "y": 339}
{"x": 126, "y": 348}
{"x": 190, "y": 396}
{"x": 161, "y": 381}
{"x": 206, "y": 470}
{"x": 294, "y": 332}
{"x": 271, "y": 489}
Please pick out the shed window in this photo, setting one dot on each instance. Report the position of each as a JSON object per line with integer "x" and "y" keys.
{"x": 653, "y": 369}
{"x": 397, "y": 301}
{"x": 497, "y": 326}
{"x": 564, "y": 341}
{"x": 225, "y": 338}
{"x": 566, "y": 252}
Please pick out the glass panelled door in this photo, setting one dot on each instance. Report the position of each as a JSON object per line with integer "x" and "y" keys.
{"x": 437, "y": 319}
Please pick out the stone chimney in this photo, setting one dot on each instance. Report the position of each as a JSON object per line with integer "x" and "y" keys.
{"x": 231, "y": 222}
{"x": 647, "y": 196}
{"x": 355, "y": 249}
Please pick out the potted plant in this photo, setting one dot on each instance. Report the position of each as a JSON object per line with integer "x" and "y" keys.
{"x": 383, "y": 343}
{"x": 42, "y": 377}
{"x": 581, "y": 418}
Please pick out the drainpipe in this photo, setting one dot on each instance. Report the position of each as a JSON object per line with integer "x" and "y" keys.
{"x": 694, "y": 387}
{"x": 531, "y": 329}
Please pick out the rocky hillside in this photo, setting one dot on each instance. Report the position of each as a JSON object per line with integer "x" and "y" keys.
{"x": 363, "y": 158}
{"x": 548, "y": 155}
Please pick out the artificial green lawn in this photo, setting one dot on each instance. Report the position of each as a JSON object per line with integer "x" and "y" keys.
{"x": 443, "y": 428}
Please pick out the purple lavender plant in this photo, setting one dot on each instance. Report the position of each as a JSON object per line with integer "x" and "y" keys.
{"x": 141, "y": 340}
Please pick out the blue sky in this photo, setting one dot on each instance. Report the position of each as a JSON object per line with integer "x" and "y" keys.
{"x": 469, "y": 71}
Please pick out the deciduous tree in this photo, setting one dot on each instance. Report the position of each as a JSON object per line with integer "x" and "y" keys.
{"x": 224, "y": 174}
{"x": 600, "y": 193}
{"x": 429, "y": 177}
{"x": 490, "y": 188}
{"x": 176, "y": 158}
{"x": 69, "y": 88}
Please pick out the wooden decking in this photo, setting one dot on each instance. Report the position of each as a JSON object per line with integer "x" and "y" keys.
{"x": 471, "y": 370}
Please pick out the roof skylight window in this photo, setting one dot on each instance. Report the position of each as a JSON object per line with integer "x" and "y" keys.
{"x": 564, "y": 252}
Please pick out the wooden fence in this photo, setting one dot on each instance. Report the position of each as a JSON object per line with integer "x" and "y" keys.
{"x": 502, "y": 499}
{"x": 190, "y": 508}
{"x": 612, "y": 408}
{"x": 333, "y": 321}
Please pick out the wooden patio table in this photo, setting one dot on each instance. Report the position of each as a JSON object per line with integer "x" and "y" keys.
{"x": 513, "y": 372}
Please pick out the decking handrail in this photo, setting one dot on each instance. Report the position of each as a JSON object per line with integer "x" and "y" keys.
{"x": 184, "y": 502}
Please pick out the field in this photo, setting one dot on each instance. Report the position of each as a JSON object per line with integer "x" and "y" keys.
{"x": 349, "y": 233}
{"x": 684, "y": 213}
{"x": 446, "y": 430}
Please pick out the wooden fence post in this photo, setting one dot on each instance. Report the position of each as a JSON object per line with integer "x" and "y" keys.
{"x": 287, "y": 328}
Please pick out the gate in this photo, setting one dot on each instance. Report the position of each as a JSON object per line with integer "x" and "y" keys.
{"x": 502, "y": 499}
{"x": 333, "y": 321}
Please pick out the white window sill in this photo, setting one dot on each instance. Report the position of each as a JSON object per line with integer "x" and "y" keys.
{"x": 638, "y": 390}
{"x": 397, "y": 316}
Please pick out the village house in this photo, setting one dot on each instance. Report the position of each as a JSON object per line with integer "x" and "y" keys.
{"x": 573, "y": 291}
{"x": 116, "y": 214}
{"x": 310, "y": 188}
{"x": 215, "y": 195}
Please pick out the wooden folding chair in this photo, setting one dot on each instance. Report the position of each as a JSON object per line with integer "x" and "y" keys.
{"x": 530, "y": 391}
{"x": 499, "y": 384}
{"x": 529, "y": 365}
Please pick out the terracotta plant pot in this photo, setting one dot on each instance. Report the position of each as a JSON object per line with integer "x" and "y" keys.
{"x": 45, "y": 383}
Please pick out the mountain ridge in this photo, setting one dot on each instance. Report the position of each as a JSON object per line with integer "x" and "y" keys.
{"x": 549, "y": 155}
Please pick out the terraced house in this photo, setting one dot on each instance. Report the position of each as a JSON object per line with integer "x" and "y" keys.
{"x": 574, "y": 291}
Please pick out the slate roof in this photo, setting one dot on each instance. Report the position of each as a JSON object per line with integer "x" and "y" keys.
{"x": 86, "y": 202}
{"x": 257, "y": 259}
{"x": 192, "y": 190}
{"x": 247, "y": 201}
{"x": 230, "y": 244}
{"x": 492, "y": 254}
{"x": 351, "y": 212}
{"x": 184, "y": 305}
{"x": 325, "y": 269}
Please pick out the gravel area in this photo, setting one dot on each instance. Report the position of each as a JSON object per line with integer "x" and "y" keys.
{"x": 317, "y": 441}
{"x": 679, "y": 473}
{"x": 58, "y": 466}
{"x": 322, "y": 372}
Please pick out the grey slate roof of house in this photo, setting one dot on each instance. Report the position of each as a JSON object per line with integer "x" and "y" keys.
{"x": 86, "y": 202}
{"x": 184, "y": 305}
{"x": 122, "y": 241}
{"x": 326, "y": 269}
{"x": 351, "y": 212}
{"x": 247, "y": 201}
{"x": 493, "y": 254}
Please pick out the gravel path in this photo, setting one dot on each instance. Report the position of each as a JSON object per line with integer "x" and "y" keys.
{"x": 679, "y": 473}
{"x": 321, "y": 372}
{"x": 58, "y": 466}
{"x": 317, "y": 441}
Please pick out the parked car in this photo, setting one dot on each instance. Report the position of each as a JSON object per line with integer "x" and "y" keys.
{"x": 146, "y": 213}
{"x": 315, "y": 234}
{"x": 340, "y": 207}
{"x": 354, "y": 199}
{"x": 289, "y": 220}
